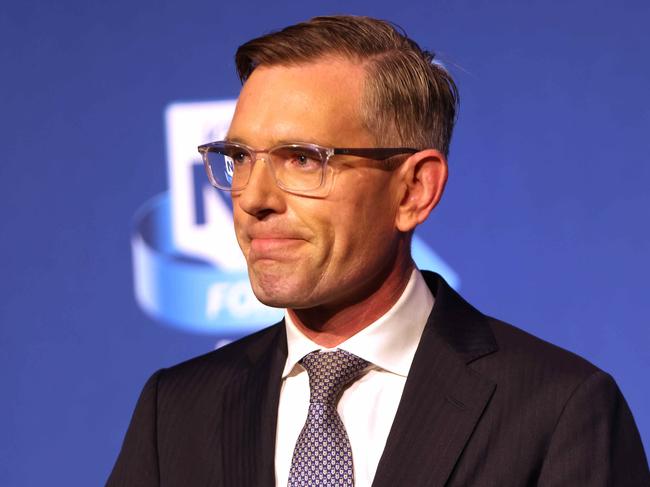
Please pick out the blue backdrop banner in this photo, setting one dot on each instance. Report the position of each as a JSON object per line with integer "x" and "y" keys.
{"x": 118, "y": 258}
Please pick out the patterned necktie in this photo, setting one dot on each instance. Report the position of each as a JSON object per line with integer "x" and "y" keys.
{"x": 322, "y": 456}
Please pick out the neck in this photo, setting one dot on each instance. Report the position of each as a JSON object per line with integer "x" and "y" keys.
{"x": 329, "y": 326}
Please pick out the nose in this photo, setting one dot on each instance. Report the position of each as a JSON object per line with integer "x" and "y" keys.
{"x": 261, "y": 196}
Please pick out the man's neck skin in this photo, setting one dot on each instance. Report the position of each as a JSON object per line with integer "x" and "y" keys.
{"x": 331, "y": 326}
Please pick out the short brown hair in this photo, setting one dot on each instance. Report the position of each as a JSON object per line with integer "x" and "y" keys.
{"x": 409, "y": 99}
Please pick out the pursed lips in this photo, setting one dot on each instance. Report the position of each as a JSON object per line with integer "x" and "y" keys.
{"x": 273, "y": 245}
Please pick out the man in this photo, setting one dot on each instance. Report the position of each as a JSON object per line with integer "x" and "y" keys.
{"x": 379, "y": 374}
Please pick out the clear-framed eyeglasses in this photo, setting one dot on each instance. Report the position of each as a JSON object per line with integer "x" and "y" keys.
{"x": 299, "y": 168}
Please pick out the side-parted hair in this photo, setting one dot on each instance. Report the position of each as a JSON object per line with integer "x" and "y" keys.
{"x": 409, "y": 100}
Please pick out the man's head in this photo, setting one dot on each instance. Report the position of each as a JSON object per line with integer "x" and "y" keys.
{"x": 324, "y": 83}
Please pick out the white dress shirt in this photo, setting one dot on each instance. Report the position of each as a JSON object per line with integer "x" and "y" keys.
{"x": 368, "y": 406}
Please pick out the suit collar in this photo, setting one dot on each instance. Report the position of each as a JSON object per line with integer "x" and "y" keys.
{"x": 457, "y": 322}
{"x": 271, "y": 345}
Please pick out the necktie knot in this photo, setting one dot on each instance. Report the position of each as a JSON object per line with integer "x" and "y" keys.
{"x": 330, "y": 372}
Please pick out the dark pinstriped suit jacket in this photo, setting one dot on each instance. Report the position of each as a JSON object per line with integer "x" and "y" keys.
{"x": 485, "y": 404}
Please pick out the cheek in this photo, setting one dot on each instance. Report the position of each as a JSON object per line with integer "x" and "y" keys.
{"x": 239, "y": 232}
{"x": 236, "y": 223}
{"x": 363, "y": 227}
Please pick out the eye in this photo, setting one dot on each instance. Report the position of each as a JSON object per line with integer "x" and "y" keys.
{"x": 238, "y": 156}
{"x": 301, "y": 159}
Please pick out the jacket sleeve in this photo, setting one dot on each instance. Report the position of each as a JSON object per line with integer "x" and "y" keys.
{"x": 137, "y": 463}
{"x": 595, "y": 442}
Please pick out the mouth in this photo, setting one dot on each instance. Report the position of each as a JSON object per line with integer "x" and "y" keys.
{"x": 274, "y": 247}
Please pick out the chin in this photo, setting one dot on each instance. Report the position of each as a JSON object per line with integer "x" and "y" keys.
{"x": 273, "y": 289}
{"x": 274, "y": 297}
{"x": 286, "y": 290}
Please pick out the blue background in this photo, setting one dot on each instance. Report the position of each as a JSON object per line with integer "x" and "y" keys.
{"x": 545, "y": 218}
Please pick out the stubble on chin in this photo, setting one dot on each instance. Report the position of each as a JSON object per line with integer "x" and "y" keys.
{"x": 272, "y": 286}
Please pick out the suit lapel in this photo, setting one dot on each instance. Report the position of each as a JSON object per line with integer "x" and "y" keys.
{"x": 443, "y": 399}
{"x": 250, "y": 414}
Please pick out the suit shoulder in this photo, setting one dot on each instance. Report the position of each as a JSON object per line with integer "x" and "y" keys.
{"x": 532, "y": 355}
{"x": 531, "y": 373}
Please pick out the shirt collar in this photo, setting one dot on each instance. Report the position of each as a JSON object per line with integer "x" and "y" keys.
{"x": 389, "y": 343}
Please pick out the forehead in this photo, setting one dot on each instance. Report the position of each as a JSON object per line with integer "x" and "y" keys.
{"x": 316, "y": 102}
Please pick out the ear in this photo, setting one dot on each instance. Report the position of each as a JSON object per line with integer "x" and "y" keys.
{"x": 423, "y": 177}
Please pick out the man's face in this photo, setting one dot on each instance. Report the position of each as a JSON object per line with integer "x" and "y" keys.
{"x": 306, "y": 252}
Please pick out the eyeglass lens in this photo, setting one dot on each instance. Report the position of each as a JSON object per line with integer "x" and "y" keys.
{"x": 295, "y": 167}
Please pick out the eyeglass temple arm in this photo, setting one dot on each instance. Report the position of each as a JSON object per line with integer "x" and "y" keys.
{"x": 376, "y": 153}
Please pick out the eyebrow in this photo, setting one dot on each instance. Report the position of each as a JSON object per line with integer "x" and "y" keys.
{"x": 237, "y": 140}
{"x": 275, "y": 143}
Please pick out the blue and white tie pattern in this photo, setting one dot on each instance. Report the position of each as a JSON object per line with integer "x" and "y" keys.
{"x": 322, "y": 456}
